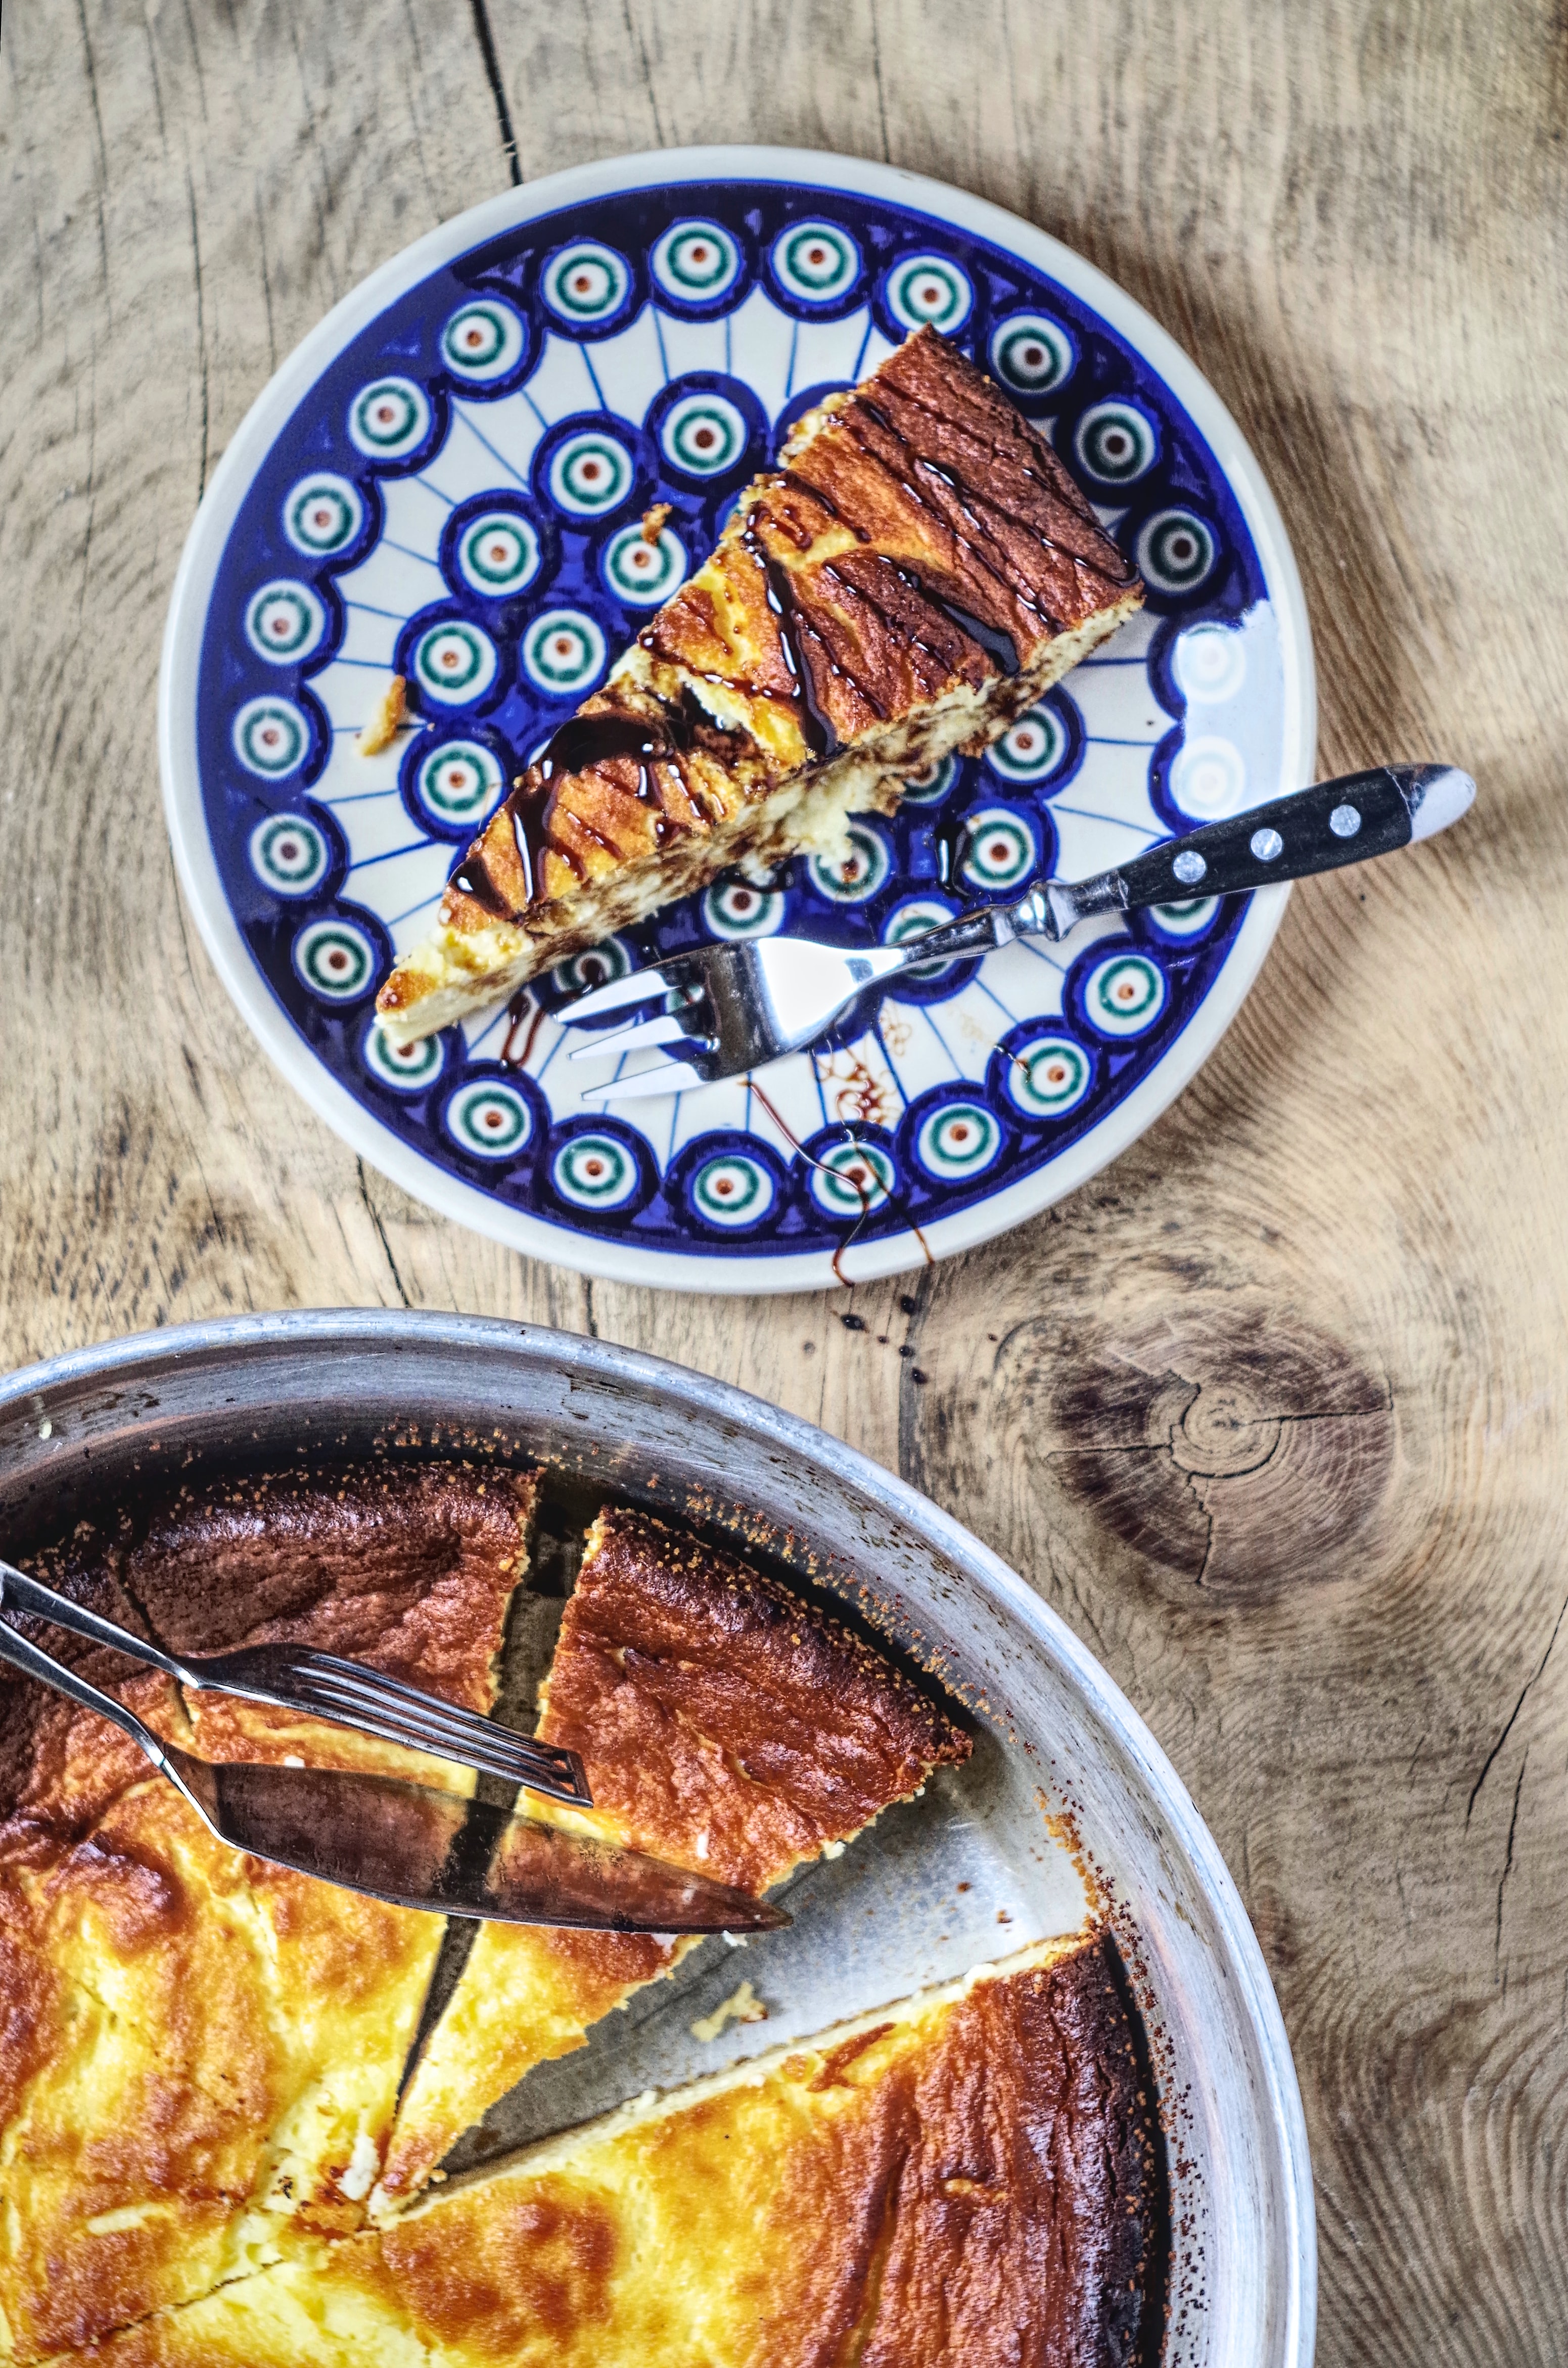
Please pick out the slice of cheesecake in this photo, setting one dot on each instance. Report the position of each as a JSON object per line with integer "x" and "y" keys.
{"x": 918, "y": 570}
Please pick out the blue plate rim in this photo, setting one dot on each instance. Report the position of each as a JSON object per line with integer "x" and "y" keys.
{"x": 196, "y": 864}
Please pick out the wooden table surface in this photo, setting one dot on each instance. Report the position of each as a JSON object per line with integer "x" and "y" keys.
{"x": 1273, "y": 1412}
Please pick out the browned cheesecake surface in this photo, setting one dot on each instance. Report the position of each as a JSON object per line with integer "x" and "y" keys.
{"x": 728, "y": 1723}
{"x": 917, "y": 571}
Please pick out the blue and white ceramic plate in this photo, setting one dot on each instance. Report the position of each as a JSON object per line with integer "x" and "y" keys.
{"x": 445, "y": 479}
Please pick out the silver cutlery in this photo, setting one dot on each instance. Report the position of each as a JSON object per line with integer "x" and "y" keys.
{"x": 414, "y": 1845}
{"x": 322, "y": 1685}
{"x": 735, "y": 1006}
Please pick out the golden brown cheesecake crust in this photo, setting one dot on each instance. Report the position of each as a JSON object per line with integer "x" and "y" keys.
{"x": 727, "y": 1723}
{"x": 991, "y": 2193}
{"x": 909, "y": 579}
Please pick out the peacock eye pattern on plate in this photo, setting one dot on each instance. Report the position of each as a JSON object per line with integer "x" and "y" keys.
{"x": 463, "y": 495}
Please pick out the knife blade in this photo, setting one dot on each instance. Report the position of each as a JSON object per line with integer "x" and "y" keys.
{"x": 420, "y": 1848}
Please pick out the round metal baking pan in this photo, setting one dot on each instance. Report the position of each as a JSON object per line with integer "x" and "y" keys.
{"x": 1065, "y": 1768}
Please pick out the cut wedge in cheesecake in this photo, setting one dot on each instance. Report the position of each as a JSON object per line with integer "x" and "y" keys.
{"x": 726, "y": 1726}
{"x": 913, "y": 576}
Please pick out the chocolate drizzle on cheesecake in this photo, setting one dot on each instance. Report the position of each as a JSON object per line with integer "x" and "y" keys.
{"x": 795, "y": 630}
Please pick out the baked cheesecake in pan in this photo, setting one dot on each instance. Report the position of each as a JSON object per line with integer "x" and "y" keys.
{"x": 915, "y": 572}
{"x": 725, "y": 1726}
{"x": 972, "y": 2179}
{"x": 201, "y": 2054}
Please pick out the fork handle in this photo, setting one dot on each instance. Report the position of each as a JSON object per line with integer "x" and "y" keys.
{"x": 1319, "y": 829}
{"x": 20, "y": 1593}
{"x": 34, "y": 1662}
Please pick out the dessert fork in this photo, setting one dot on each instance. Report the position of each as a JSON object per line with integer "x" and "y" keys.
{"x": 732, "y": 1008}
{"x": 296, "y": 1677}
{"x": 410, "y": 1843}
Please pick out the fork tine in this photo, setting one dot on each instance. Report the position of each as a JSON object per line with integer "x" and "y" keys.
{"x": 618, "y": 994}
{"x": 378, "y": 1703}
{"x": 669, "y": 1077}
{"x": 639, "y": 1037}
{"x": 457, "y": 1727}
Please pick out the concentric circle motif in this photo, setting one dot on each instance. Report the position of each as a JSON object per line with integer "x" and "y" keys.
{"x": 388, "y": 420}
{"x": 703, "y": 435}
{"x": 857, "y": 872}
{"x": 590, "y": 474}
{"x": 929, "y": 291}
{"x": 1209, "y": 662}
{"x": 594, "y": 1171}
{"x": 1031, "y": 355}
{"x": 907, "y": 921}
{"x": 323, "y": 514}
{"x": 1116, "y": 442}
{"x": 289, "y": 854}
{"x": 284, "y": 621}
{"x": 937, "y": 783}
{"x": 488, "y": 1120}
{"x": 482, "y": 340}
{"x": 1048, "y": 1077}
{"x": 1030, "y": 750}
{"x": 956, "y": 1141}
{"x": 733, "y": 908}
{"x": 1188, "y": 919}
{"x": 1125, "y": 994}
{"x": 456, "y": 784}
{"x": 406, "y": 1068}
{"x": 585, "y": 283}
{"x": 1000, "y": 850}
{"x": 498, "y": 554}
{"x": 852, "y": 1179}
{"x": 1175, "y": 553}
{"x": 455, "y": 662}
{"x": 732, "y": 1191}
{"x": 271, "y": 737}
{"x": 1208, "y": 777}
{"x": 696, "y": 263}
{"x": 563, "y": 653}
{"x": 594, "y": 967}
{"x": 816, "y": 262}
{"x": 641, "y": 572}
{"x": 335, "y": 960}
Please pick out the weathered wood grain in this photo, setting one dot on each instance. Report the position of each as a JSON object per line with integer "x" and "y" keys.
{"x": 1273, "y": 1411}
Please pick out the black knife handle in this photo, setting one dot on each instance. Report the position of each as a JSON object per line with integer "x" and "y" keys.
{"x": 1318, "y": 829}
